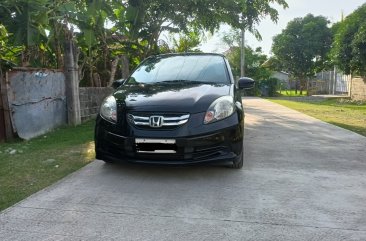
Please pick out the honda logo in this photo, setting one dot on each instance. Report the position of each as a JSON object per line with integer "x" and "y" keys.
{"x": 156, "y": 121}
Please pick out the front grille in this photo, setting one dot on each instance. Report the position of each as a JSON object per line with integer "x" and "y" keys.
{"x": 160, "y": 121}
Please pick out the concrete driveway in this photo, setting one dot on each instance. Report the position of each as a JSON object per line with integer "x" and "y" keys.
{"x": 303, "y": 180}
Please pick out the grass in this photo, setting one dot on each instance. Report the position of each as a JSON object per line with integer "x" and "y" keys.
{"x": 291, "y": 93}
{"x": 29, "y": 166}
{"x": 339, "y": 112}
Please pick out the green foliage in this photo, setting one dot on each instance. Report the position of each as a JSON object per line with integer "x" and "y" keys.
{"x": 104, "y": 30}
{"x": 253, "y": 65}
{"x": 268, "y": 87}
{"x": 239, "y": 13}
{"x": 30, "y": 15}
{"x": 302, "y": 48}
{"x": 349, "y": 48}
{"x": 274, "y": 64}
{"x": 358, "y": 62}
{"x": 8, "y": 53}
{"x": 146, "y": 20}
{"x": 182, "y": 42}
{"x": 26, "y": 23}
{"x": 3, "y": 41}
{"x": 187, "y": 43}
{"x": 232, "y": 38}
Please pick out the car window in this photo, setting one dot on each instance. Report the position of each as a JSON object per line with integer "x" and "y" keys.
{"x": 196, "y": 68}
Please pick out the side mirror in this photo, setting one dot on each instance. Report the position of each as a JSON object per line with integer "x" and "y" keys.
{"x": 117, "y": 83}
{"x": 246, "y": 83}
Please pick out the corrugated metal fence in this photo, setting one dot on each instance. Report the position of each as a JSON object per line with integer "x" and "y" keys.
{"x": 37, "y": 100}
{"x": 331, "y": 82}
{"x": 33, "y": 101}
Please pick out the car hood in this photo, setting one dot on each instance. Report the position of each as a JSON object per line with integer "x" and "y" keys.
{"x": 186, "y": 97}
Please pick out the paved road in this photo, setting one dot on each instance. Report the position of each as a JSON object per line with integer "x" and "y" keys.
{"x": 303, "y": 180}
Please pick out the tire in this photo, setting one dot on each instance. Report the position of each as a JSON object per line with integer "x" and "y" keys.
{"x": 101, "y": 157}
{"x": 238, "y": 164}
{"x": 108, "y": 161}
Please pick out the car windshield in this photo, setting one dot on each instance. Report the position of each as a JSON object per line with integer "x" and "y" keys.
{"x": 185, "y": 68}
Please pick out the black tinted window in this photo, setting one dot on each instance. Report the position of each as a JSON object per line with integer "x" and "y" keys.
{"x": 201, "y": 68}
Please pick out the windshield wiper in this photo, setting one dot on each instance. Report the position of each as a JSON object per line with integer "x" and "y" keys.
{"x": 182, "y": 81}
{"x": 175, "y": 81}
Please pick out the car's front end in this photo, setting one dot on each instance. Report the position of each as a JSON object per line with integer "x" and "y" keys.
{"x": 180, "y": 121}
{"x": 191, "y": 142}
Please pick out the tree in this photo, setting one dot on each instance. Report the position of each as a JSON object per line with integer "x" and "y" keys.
{"x": 187, "y": 42}
{"x": 303, "y": 47}
{"x": 254, "y": 57}
{"x": 40, "y": 28}
{"x": 349, "y": 47}
{"x": 26, "y": 21}
{"x": 182, "y": 42}
{"x": 8, "y": 53}
{"x": 254, "y": 60}
{"x": 92, "y": 40}
{"x": 3, "y": 50}
{"x": 253, "y": 64}
{"x": 147, "y": 19}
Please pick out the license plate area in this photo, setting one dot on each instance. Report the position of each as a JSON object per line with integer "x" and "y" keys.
{"x": 158, "y": 146}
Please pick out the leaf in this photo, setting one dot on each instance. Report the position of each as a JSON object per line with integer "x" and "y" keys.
{"x": 131, "y": 13}
{"x": 89, "y": 36}
{"x": 41, "y": 19}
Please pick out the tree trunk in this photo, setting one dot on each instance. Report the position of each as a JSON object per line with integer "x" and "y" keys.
{"x": 25, "y": 58}
{"x": 81, "y": 66}
{"x": 96, "y": 80}
{"x": 105, "y": 54}
{"x": 91, "y": 80}
{"x": 2, "y": 110}
{"x": 60, "y": 62}
{"x": 113, "y": 71}
{"x": 72, "y": 83}
{"x": 303, "y": 84}
{"x": 301, "y": 81}
{"x": 59, "y": 57}
{"x": 125, "y": 67}
{"x": 8, "y": 126}
{"x": 296, "y": 86}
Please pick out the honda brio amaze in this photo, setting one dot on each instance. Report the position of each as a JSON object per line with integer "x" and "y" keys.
{"x": 174, "y": 109}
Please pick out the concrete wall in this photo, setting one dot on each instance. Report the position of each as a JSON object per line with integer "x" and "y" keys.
{"x": 358, "y": 88}
{"x": 90, "y": 100}
{"x": 37, "y": 100}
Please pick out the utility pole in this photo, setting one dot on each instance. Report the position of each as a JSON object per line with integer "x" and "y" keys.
{"x": 242, "y": 53}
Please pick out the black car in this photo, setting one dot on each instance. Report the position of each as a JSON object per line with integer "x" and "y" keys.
{"x": 174, "y": 109}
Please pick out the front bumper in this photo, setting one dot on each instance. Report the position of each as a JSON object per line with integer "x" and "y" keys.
{"x": 215, "y": 146}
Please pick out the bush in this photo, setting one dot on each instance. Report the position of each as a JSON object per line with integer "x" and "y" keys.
{"x": 268, "y": 87}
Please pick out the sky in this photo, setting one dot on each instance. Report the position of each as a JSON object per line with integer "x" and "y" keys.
{"x": 332, "y": 9}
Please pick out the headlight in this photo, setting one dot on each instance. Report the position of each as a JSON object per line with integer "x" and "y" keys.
{"x": 108, "y": 109}
{"x": 220, "y": 109}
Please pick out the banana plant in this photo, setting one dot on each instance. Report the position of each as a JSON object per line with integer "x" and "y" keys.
{"x": 27, "y": 21}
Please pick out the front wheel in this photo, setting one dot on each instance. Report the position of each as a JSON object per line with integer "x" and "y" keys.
{"x": 238, "y": 164}
{"x": 101, "y": 157}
